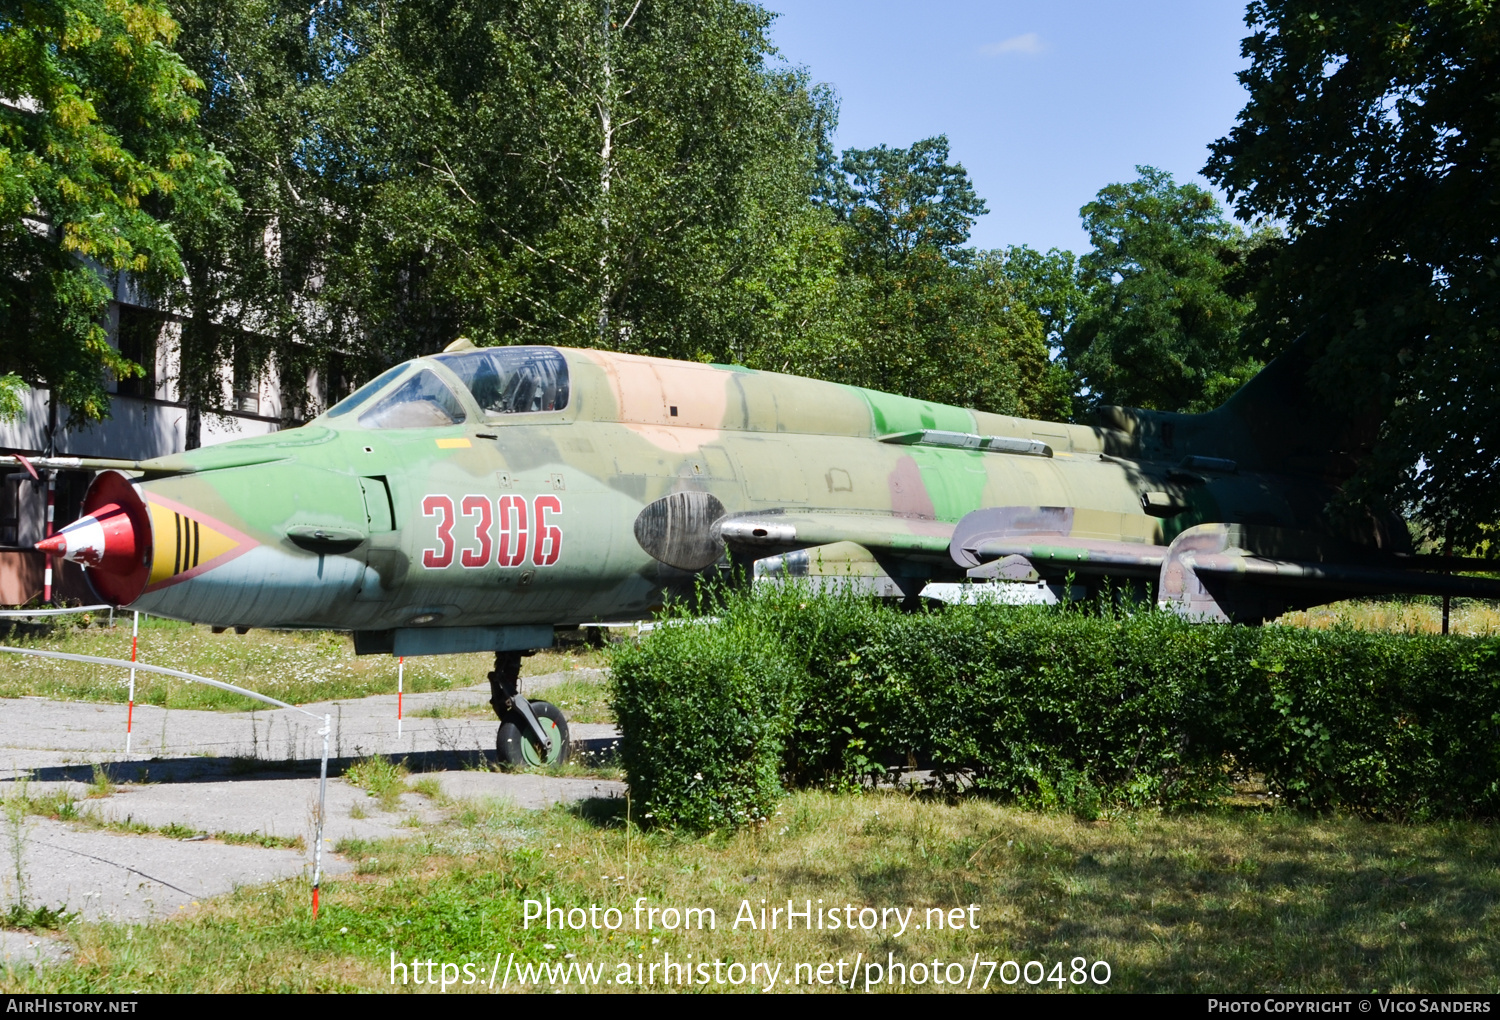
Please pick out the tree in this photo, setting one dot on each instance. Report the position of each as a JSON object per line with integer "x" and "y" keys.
{"x": 1161, "y": 316}
{"x": 1047, "y": 283}
{"x": 900, "y": 201}
{"x": 1373, "y": 131}
{"x": 584, "y": 172}
{"x": 100, "y": 162}
{"x": 926, "y": 316}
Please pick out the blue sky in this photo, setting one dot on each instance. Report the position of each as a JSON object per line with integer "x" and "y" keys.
{"x": 1043, "y": 103}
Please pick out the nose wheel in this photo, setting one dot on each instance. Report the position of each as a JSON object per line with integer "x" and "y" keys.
{"x": 516, "y": 745}
{"x": 531, "y": 732}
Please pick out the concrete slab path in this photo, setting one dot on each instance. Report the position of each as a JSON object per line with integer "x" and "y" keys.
{"x": 246, "y": 773}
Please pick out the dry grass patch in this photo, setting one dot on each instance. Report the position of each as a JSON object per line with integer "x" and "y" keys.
{"x": 1470, "y": 617}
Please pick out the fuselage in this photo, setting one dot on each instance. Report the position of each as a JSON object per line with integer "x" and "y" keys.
{"x": 495, "y": 501}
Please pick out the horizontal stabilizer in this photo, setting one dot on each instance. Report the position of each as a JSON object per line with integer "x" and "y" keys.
{"x": 1241, "y": 573}
{"x": 1226, "y": 572}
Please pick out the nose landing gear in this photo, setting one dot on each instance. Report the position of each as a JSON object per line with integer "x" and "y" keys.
{"x": 531, "y": 732}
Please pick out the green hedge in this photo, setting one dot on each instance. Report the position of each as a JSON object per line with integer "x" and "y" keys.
{"x": 700, "y": 707}
{"x": 1056, "y": 707}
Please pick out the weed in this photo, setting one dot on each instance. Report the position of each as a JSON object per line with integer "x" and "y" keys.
{"x": 381, "y": 778}
{"x": 262, "y": 839}
{"x": 15, "y": 830}
{"x": 429, "y": 787}
{"x": 25, "y": 918}
{"x": 58, "y": 804}
{"x": 102, "y": 785}
{"x": 357, "y": 811}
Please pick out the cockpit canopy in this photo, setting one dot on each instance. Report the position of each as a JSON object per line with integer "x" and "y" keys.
{"x": 512, "y": 380}
{"x": 421, "y": 401}
{"x": 502, "y": 380}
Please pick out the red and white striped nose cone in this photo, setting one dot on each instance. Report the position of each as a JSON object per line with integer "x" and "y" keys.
{"x": 104, "y": 538}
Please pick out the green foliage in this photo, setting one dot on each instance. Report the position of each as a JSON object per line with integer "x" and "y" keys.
{"x": 700, "y": 710}
{"x": 1047, "y": 283}
{"x": 1057, "y": 708}
{"x": 100, "y": 162}
{"x": 634, "y": 177}
{"x": 1373, "y": 131}
{"x": 381, "y": 778}
{"x": 38, "y": 918}
{"x": 1160, "y": 326}
{"x": 920, "y": 314}
{"x": 900, "y": 200}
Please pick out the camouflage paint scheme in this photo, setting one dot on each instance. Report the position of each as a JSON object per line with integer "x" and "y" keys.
{"x": 411, "y": 537}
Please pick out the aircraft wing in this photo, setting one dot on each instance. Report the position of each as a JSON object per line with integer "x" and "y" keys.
{"x": 1228, "y": 572}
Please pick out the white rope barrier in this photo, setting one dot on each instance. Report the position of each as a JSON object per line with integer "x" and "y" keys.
{"x": 327, "y": 721}
{"x": 163, "y": 670}
{"x": 12, "y": 614}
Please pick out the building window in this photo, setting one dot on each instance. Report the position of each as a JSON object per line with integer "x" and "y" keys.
{"x": 140, "y": 330}
{"x": 246, "y": 387}
{"x": 10, "y": 509}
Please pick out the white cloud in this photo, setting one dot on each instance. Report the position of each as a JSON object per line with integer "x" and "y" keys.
{"x": 1028, "y": 43}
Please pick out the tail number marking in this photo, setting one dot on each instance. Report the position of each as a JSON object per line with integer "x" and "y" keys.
{"x": 513, "y": 531}
{"x": 548, "y": 535}
{"x": 440, "y": 507}
{"x": 525, "y": 531}
{"x": 481, "y": 507}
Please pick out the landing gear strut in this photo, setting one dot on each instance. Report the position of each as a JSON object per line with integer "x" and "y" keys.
{"x": 531, "y": 732}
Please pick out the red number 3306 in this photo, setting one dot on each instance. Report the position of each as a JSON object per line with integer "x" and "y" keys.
{"x": 519, "y": 540}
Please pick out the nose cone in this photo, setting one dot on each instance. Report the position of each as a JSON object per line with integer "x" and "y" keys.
{"x": 112, "y": 539}
{"x": 104, "y": 539}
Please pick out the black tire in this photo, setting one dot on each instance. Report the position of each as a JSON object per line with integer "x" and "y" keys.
{"x": 516, "y": 746}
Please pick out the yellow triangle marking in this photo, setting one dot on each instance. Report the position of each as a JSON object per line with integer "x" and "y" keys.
{"x": 181, "y": 543}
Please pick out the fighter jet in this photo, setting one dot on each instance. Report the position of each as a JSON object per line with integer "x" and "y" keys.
{"x": 482, "y": 498}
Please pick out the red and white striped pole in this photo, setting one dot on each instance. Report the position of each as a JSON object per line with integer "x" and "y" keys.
{"x": 318, "y": 829}
{"x": 400, "y": 682}
{"x": 135, "y": 630}
{"x": 51, "y": 499}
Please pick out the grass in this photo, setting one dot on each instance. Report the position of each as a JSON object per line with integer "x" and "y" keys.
{"x": 24, "y": 918}
{"x": 296, "y": 666}
{"x": 381, "y": 778}
{"x": 430, "y": 788}
{"x": 585, "y": 699}
{"x": 262, "y": 839}
{"x": 60, "y": 805}
{"x": 102, "y": 785}
{"x": 1403, "y": 615}
{"x": 1238, "y": 900}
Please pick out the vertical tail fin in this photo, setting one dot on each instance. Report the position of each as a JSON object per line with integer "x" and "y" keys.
{"x": 1277, "y": 422}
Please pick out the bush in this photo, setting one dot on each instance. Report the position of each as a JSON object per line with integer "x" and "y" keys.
{"x": 699, "y": 709}
{"x": 1053, "y": 707}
